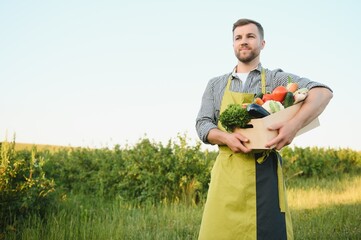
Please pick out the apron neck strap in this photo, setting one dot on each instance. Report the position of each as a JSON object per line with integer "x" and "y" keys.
{"x": 263, "y": 80}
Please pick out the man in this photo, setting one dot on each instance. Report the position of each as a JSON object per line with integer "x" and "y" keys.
{"x": 246, "y": 197}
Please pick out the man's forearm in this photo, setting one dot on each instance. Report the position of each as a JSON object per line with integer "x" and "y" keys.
{"x": 314, "y": 105}
{"x": 216, "y": 136}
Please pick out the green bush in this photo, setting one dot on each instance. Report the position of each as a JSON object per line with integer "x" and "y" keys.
{"x": 146, "y": 172}
{"x": 84, "y": 170}
{"x": 320, "y": 162}
{"x": 24, "y": 187}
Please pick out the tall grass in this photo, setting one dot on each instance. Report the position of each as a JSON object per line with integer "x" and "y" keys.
{"x": 332, "y": 222}
{"x": 82, "y": 218}
{"x": 314, "y": 193}
{"x": 326, "y": 209}
{"x": 317, "y": 209}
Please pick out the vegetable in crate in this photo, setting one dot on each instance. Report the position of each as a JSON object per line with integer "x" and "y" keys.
{"x": 257, "y": 111}
{"x": 273, "y": 106}
{"x": 300, "y": 95}
{"x": 266, "y": 97}
{"x": 291, "y": 86}
{"x": 279, "y": 93}
{"x": 289, "y": 100}
{"x": 259, "y": 101}
{"x": 258, "y": 95}
{"x": 234, "y": 117}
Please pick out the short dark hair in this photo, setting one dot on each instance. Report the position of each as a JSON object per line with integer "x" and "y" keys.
{"x": 245, "y": 21}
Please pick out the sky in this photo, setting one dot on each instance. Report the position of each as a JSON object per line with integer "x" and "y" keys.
{"x": 100, "y": 73}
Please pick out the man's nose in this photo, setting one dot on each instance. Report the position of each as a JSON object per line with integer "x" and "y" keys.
{"x": 244, "y": 41}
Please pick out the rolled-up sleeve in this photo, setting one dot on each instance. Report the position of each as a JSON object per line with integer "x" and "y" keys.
{"x": 281, "y": 78}
{"x": 207, "y": 115}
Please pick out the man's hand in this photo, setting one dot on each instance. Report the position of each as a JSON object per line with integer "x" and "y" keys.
{"x": 233, "y": 140}
{"x": 286, "y": 133}
{"x": 312, "y": 107}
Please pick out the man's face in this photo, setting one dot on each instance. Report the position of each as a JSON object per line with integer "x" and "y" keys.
{"x": 247, "y": 43}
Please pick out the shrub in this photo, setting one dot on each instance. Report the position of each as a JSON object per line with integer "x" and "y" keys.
{"x": 145, "y": 172}
{"x": 23, "y": 185}
{"x": 320, "y": 162}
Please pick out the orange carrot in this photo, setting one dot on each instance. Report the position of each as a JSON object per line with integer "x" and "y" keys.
{"x": 258, "y": 101}
{"x": 291, "y": 86}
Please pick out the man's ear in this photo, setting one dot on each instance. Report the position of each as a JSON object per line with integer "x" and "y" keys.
{"x": 263, "y": 43}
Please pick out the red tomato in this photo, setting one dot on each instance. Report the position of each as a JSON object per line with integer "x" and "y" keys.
{"x": 279, "y": 93}
{"x": 267, "y": 97}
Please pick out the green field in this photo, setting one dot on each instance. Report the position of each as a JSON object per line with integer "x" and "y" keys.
{"x": 156, "y": 191}
{"x": 320, "y": 210}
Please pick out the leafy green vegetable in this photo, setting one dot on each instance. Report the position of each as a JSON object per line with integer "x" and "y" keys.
{"x": 234, "y": 117}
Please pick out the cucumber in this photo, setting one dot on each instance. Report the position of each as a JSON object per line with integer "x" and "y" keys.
{"x": 289, "y": 100}
{"x": 258, "y": 95}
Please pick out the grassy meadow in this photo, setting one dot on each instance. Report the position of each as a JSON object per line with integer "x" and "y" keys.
{"x": 321, "y": 209}
{"x": 66, "y": 193}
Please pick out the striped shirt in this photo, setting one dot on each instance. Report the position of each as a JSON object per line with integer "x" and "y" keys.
{"x": 208, "y": 115}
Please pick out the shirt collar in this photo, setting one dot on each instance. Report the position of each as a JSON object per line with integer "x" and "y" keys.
{"x": 258, "y": 68}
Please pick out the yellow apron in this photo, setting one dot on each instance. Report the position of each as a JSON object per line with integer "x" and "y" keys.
{"x": 230, "y": 212}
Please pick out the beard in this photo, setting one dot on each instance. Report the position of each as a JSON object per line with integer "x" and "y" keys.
{"x": 247, "y": 58}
